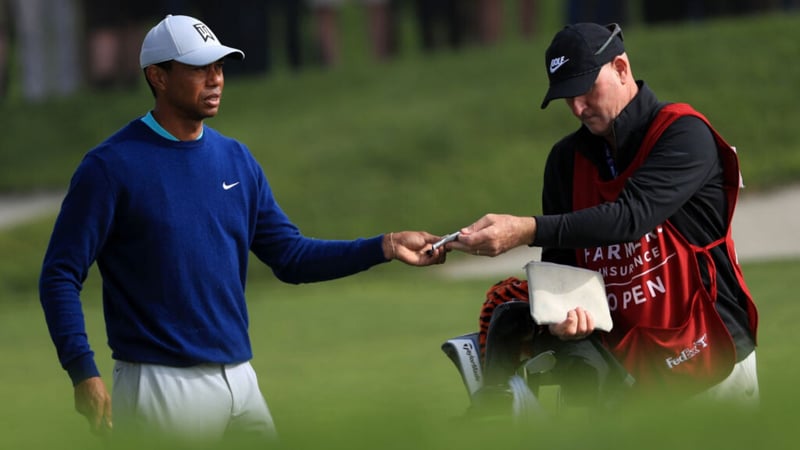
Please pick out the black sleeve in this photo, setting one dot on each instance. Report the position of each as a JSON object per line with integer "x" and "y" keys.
{"x": 683, "y": 160}
{"x": 557, "y": 198}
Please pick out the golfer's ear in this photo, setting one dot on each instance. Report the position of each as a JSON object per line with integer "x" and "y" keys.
{"x": 156, "y": 76}
{"x": 621, "y": 66}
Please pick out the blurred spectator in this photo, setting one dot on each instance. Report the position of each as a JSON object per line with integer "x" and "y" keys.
{"x": 291, "y": 20}
{"x": 490, "y": 20}
{"x": 325, "y": 16}
{"x": 381, "y": 28}
{"x": 4, "y": 48}
{"x": 115, "y": 31}
{"x": 671, "y": 12}
{"x": 47, "y": 39}
{"x": 489, "y": 17}
{"x": 712, "y": 8}
{"x": 441, "y": 23}
{"x": 676, "y": 11}
{"x": 528, "y": 10}
{"x": 177, "y": 7}
{"x": 241, "y": 24}
{"x": 485, "y": 19}
{"x": 604, "y": 11}
{"x": 252, "y": 25}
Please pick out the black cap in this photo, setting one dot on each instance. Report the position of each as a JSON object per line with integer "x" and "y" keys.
{"x": 575, "y": 56}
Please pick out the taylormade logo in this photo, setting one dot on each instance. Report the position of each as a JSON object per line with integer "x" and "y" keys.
{"x": 688, "y": 353}
{"x": 469, "y": 350}
{"x": 556, "y": 63}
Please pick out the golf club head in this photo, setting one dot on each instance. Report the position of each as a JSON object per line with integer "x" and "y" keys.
{"x": 541, "y": 363}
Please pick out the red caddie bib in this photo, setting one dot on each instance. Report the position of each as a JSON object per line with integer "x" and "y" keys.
{"x": 667, "y": 331}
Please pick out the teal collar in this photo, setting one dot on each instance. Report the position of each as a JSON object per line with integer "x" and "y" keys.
{"x": 150, "y": 121}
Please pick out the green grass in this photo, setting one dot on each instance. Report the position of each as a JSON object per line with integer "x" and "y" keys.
{"x": 355, "y": 363}
{"x": 428, "y": 143}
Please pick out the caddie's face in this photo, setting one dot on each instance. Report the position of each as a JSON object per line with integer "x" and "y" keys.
{"x": 598, "y": 108}
{"x": 195, "y": 92}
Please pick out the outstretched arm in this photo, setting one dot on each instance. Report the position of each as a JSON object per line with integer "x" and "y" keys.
{"x": 495, "y": 234}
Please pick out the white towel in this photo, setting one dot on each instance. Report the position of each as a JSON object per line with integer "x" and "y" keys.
{"x": 555, "y": 289}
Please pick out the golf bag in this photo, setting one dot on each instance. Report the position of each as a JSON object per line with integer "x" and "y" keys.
{"x": 522, "y": 361}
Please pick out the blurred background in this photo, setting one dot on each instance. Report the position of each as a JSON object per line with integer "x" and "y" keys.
{"x": 59, "y": 48}
{"x": 415, "y": 104}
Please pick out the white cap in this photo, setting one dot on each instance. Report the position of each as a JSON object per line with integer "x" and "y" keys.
{"x": 183, "y": 39}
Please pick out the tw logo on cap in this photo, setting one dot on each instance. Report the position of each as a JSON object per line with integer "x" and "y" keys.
{"x": 556, "y": 63}
{"x": 204, "y": 32}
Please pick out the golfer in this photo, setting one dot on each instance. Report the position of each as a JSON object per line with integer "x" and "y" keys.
{"x": 643, "y": 192}
{"x": 170, "y": 209}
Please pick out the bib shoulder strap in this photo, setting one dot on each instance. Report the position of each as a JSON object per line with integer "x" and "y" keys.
{"x": 666, "y": 117}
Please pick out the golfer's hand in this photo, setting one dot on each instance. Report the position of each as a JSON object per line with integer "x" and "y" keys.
{"x": 495, "y": 234}
{"x": 93, "y": 402}
{"x": 578, "y": 325}
{"x": 412, "y": 247}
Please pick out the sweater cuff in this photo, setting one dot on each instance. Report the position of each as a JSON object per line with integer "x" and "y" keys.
{"x": 546, "y": 226}
{"x": 377, "y": 244}
{"x": 82, "y": 368}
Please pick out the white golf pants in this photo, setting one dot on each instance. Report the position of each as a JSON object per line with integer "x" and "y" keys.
{"x": 740, "y": 388}
{"x": 199, "y": 404}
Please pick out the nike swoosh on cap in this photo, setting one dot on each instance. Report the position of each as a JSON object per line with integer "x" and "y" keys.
{"x": 556, "y": 63}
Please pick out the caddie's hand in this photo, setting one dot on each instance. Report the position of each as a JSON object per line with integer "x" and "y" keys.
{"x": 93, "y": 402}
{"x": 578, "y": 325}
{"x": 413, "y": 248}
{"x": 495, "y": 234}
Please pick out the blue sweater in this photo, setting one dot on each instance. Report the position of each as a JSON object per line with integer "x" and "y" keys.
{"x": 170, "y": 225}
